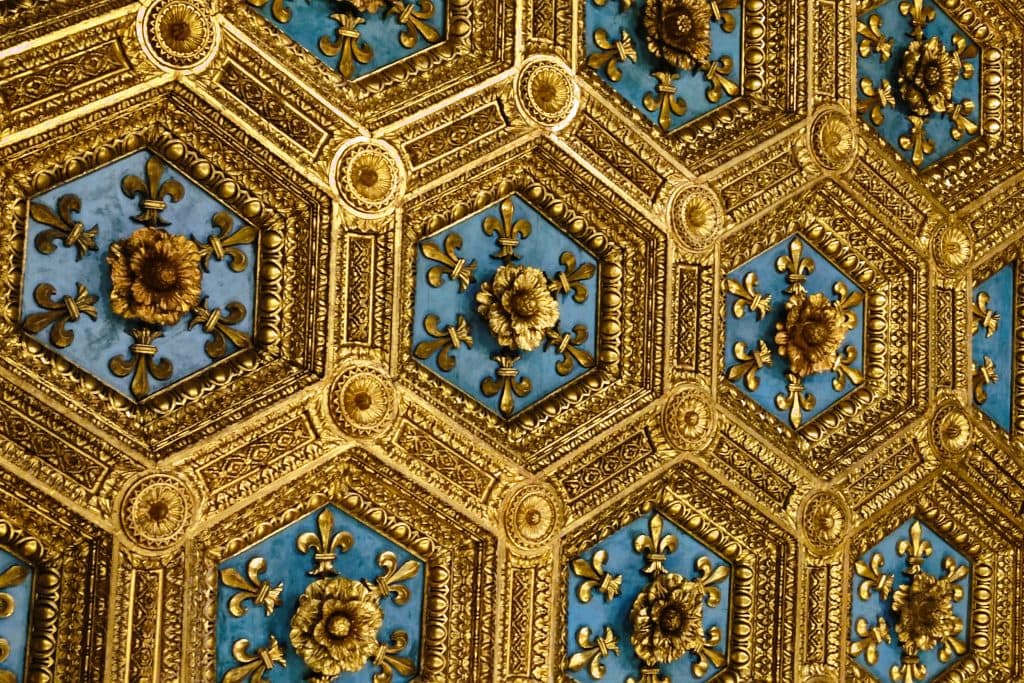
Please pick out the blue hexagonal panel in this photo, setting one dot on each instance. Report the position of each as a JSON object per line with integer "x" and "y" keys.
{"x": 356, "y": 38}
{"x": 993, "y": 323}
{"x": 653, "y": 575}
{"x": 759, "y": 295}
{"x": 919, "y": 79}
{"x": 618, "y": 51}
{"x": 325, "y": 596}
{"x": 142, "y": 216}
{"x": 911, "y": 570}
{"x": 453, "y": 338}
{"x": 15, "y": 609}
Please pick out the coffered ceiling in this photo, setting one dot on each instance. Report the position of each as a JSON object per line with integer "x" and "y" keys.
{"x": 653, "y": 341}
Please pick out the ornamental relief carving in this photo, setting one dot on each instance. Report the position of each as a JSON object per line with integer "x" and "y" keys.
{"x": 381, "y": 341}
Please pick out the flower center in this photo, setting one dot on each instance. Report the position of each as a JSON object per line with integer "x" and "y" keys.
{"x": 363, "y": 400}
{"x": 691, "y": 418}
{"x": 179, "y": 31}
{"x": 160, "y": 275}
{"x": 933, "y": 76}
{"x": 524, "y": 304}
{"x": 339, "y": 626}
{"x": 533, "y": 517}
{"x": 368, "y": 177}
{"x": 672, "y": 620}
{"x": 158, "y": 511}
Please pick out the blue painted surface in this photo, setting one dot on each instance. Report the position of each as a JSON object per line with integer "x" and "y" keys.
{"x": 14, "y": 629}
{"x": 749, "y": 329}
{"x": 871, "y": 609}
{"x": 636, "y": 78}
{"x": 311, "y": 20}
{"x": 623, "y": 560}
{"x": 285, "y": 564}
{"x": 106, "y": 206}
{"x": 542, "y": 249}
{"x": 937, "y": 127}
{"x": 998, "y": 347}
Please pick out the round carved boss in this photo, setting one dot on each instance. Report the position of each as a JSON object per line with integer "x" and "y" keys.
{"x": 951, "y": 431}
{"x": 952, "y": 246}
{"x": 179, "y": 34}
{"x": 363, "y": 401}
{"x": 368, "y": 176}
{"x": 547, "y": 92}
{"x": 833, "y": 139}
{"x": 156, "y": 510}
{"x": 697, "y": 216}
{"x": 531, "y": 515}
{"x": 688, "y": 419}
{"x": 825, "y": 519}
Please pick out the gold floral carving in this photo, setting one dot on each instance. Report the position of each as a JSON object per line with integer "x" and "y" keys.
{"x": 678, "y": 31}
{"x": 952, "y": 246}
{"x": 363, "y": 401}
{"x": 155, "y": 276}
{"x": 531, "y": 515}
{"x": 369, "y": 177}
{"x": 825, "y": 519}
{"x": 688, "y": 419}
{"x": 518, "y": 307}
{"x": 951, "y": 431}
{"x": 697, "y": 217}
{"x": 547, "y": 93}
{"x": 180, "y": 33}
{"x": 334, "y": 628}
{"x": 833, "y": 139}
{"x": 155, "y": 511}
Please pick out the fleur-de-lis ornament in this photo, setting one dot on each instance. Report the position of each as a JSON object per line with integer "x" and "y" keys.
{"x": 747, "y": 297}
{"x": 982, "y": 316}
{"x": 388, "y": 660}
{"x": 655, "y": 545}
{"x": 251, "y": 587}
{"x": 277, "y": 9}
{"x": 57, "y": 314}
{"x": 505, "y": 383}
{"x": 324, "y": 544}
{"x": 796, "y": 266}
{"x": 445, "y": 341}
{"x": 915, "y": 549}
{"x": 347, "y": 43}
{"x": 569, "y": 346}
{"x": 452, "y": 265}
{"x": 142, "y": 363}
{"x": 254, "y": 665}
{"x": 663, "y": 100}
{"x": 415, "y": 21}
{"x": 879, "y": 97}
{"x": 873, "y": 38}
{"x": 874, "y": 579}
{"x": 596, "y": 577}
{"x": 594, "y": 650}
{"x": 507, "y": 231}
{"x": 749, "y": 363}
{"x": 571, "y": 279}
{"x": 795, "y": 400}
{"x": 219, "y": 326}
{"x": 611, "y": 53}
{"x": 390, "y": 581}
{"x": 152, "y": 191}
{"x": 716, "y": 73}
{"x": 225, "y": 242}
{"x": 63, "y": 227}
{"x": 870, "y": 638}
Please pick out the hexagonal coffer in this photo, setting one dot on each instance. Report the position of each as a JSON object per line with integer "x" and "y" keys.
{"x": 143, "y": 286}
{"x": 506, "y": 307}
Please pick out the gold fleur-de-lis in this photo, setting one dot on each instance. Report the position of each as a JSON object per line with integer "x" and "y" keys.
{"x": 445, "y": 341}
{"x": 415, "y": 22}
{"x": 569, "y": 346}
{"x": 917, "y": 142}
{"x": 846, "y": 301}
{"x": 706, "y": 655}
{"x": 452, "y": 265}
{"x": 721, "y": 11}
{"x": 655, "y": 545}
{"x": 277, "y": 9}
{"x": 747, "y": 297}
{"x": 870, "y": 638}
{"x": 918, "y": 14}
{"x": 955, "y": 572}
{"x": 874, "y": 39}
{"x": 910, "y": 669}
{"x": 874, "y": 579}
{"x": 57, "y": 314}
{"x": 710, "y": 575}
{"x": 749, "y": 363}
{"x": 63, "y": 227}
{"x": 324, "y": 544}
{"x": 915, "y": 549}
{"x": 624, "y": 5}
{"x": 390, "y": 581}
{"x": 878, "y": 98}
{"x": 142, "y": 363}
{"x": 594, "y": 650}
{"x": 795, "y": 400}
{"x": 961, "y": 124}
{"x": 505, "y": 382}
{"x": 251, "y": 587}
{"x": 152, "y": 192}
{"x": 611, "y": 53}
{"x": 965, "y": 50}
{"x": 951, "y": 645}
{"x": 983, "y": 376}
{"x": 218, "y": 326}
{"x": 388, "y": 660}
{"x": 224, "y": 243}
{"x": 596, "y": 577}
{"x": 254, "y": 665}
{"x": 796, "y": 266}
{"x": 663, "y": 100}
{"x": 12, "y": 576}
{"x": 843, "y": 367}
{"x": 716, "y": 73}
{"x": 506, "y": 230}
{"x": 571, "y": 279}
{"x": 347, "y": 43}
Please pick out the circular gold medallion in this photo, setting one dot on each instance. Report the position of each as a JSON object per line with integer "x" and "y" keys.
{"x": 180, "y": 34}
{"x": 532, "y": 514}
{"x": 688, "y": 419}
{"x": 547, "y": 92}
{"x": 697, "y": 217}
{"x": 362, "y": 402}
{"x": 155, "y": 511}
{"x": 824, "y": 518}
{"x": 368, "y": 176}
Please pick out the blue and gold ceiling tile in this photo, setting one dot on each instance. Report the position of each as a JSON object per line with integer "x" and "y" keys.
{"x": 810, "y": 346}
{"x": 520, "y": 301}
{"x": 994, "y": 307}
{"x": 370, "y": 56}
{"x": 161, "y": 285}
